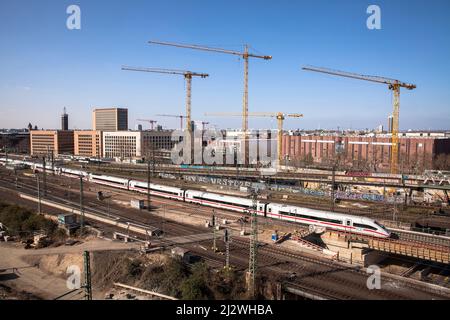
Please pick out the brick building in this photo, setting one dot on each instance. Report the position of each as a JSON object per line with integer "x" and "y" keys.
{"x": 417, "y": 151}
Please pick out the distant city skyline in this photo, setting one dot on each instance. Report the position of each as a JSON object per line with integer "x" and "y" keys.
{"x": 46, "y": 67}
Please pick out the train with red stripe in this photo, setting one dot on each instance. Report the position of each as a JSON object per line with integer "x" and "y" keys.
{"x": 316, "y": 219}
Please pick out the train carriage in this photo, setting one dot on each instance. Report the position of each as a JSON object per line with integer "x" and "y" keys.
{"x": 73, "y": 173}
{"x": 158, "y": 190}
{"x": 218, "y": 200}
{"x": 326, "y": 219}
{"x": 109, "y": 181}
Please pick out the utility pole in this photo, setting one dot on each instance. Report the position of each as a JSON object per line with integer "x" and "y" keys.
{"x": 252, "y": 265}
{"x": 153, "y": 160}
{"x": 44, "y": 177}
{"x": 333, "y": 185}
{"x": 394, "y": 211}
{"x": 39, "y": 193}
{"x": 81, "y": 205}
{"x": 53, "y": 163}
{"x": 87, "y": 276}
{"x": 226, "y": 239}
{"x": 148, "y": 182}
{"x": 213, "y": 222}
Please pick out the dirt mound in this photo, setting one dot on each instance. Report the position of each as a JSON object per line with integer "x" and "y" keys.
{"x": 56, "y": 264}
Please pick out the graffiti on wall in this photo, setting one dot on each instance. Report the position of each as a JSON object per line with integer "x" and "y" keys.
{"x": 236, "y": 184}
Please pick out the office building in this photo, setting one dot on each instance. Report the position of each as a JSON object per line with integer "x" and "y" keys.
{"x": 88, "y": 143}
{"x": 135, "y": 144}
{"x": 44, "y": 142}
{"x": 64, "y": 121}
{"x": 110, "y": 119}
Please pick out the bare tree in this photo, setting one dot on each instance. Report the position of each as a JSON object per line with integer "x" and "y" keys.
{"x": 442, "y": 162}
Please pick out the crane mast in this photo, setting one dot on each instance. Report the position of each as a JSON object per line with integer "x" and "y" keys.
{"x": 393, "y": 85}
{"x": 188, "y": 77}
{"x": 244, "y": 55}
{"x": 395, "y": 127}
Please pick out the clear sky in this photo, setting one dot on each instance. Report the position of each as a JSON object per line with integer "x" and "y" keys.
{"x": 45, "y": 67}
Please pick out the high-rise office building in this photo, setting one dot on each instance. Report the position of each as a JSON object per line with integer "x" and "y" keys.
{"x": 390, "y": 123}
{"x": 65, "y": 120}
{"x": 110, "y": 119}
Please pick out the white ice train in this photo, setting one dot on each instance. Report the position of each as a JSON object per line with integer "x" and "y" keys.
{"x": 157, "y": 190}
{"x": 305, "y": 216}
{"x": 218, "y": 200}
{"x": 326, "y": 219}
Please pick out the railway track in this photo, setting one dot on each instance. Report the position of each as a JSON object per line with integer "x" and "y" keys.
{"x": 122, "y": 215}
{"x": 191, "y": 209}
{"x": 328, "y": 278}
{"x": 423, "y": 238}
{"x": 376, "y": 210}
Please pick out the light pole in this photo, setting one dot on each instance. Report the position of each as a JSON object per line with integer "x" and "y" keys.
{"x": 81, "y": 204}
{"x": 148, "y": 183}
{"x": 39, "y": 193}
{"x": 214, "y": 230}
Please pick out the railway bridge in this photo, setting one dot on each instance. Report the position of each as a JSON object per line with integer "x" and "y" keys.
{"x": 354, "y": 247}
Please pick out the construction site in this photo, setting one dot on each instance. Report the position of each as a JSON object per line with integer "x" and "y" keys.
{"x": 195, "y": 208}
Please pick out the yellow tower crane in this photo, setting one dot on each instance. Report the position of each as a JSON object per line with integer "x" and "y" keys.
{"x": 152, "y": 122}
{"x": 244, "y": 55}
{"x": 393, "y": 85}
{"x": 188, "y": 76}
{"x": 280, "y": 116}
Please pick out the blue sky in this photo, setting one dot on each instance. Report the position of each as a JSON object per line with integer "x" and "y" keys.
{"x": 45, "y": 67}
